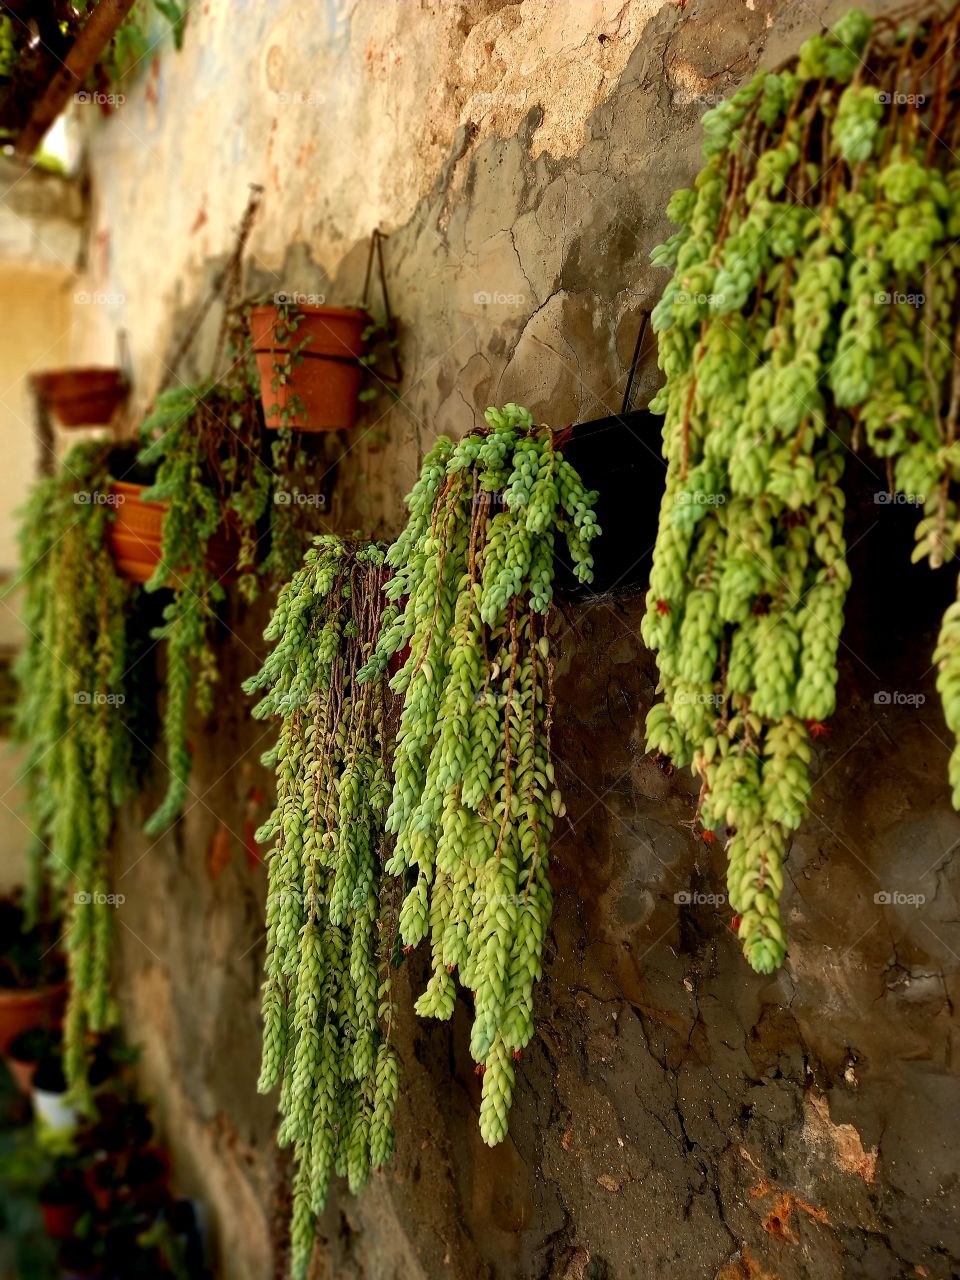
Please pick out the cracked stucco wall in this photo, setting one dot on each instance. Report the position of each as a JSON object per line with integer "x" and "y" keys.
{"x": 676, "y": 1116}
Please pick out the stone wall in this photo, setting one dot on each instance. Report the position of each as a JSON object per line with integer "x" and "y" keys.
{"x": 676, "y": 1115}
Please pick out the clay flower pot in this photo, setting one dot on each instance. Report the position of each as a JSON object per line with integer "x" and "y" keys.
{"x": 135, "y": 536}
{"x": 326, "y": 381}
{"x": 22, "y": 1073}
{"x": 22, "y": 1010}
{"x": 27, "y": 1051}
{"x": 59, "y": 1217}
{"x": 81, "y": 397}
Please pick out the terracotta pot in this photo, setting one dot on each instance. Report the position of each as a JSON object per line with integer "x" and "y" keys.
{"x": 135, "y": 536}
{"x": 81, "y": 397}
{"x": 23, "y": 1010}
{"x": 59, "y": 1220}
{"x": 327, "y": 379}
{"x": 22, "y": 1072}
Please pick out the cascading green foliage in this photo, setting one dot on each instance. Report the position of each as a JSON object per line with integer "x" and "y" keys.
{"x": 71, "y": 675}
{"x": 474, "y": 798}
{"x": 327, "y": 1005}
{"x": 813, "y": 305}
{"x": 206, "y": 444}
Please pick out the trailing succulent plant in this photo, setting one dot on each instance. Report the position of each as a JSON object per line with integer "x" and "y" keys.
{"x": 813, "y": 306}
{"x": 474, "y": 796}
{"x": 72, "y": 675}
{"x": 331, "y": 914}
{"x": 206, "y": 443}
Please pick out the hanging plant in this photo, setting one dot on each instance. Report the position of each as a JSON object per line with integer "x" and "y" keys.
{"x": 73, "y": 677}
{"x": 327, "y": 1005}
{"x": 474, "y": 797}
{"x": 309, "y": 360}
{"x": 315, "y": 361}
{"x": 826, "y": 207}
{"x": 85, "y": 397}
{"x": 206, "y": 444}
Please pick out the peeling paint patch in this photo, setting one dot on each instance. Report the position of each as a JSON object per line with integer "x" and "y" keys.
{"x": 777, "y": 1222}
{"x": 745, "y": 1267}
{"x": 848, "y": 1151}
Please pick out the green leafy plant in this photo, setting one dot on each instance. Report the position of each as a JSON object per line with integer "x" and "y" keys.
{"x": 35, "y": 42}
{"x": 8, "y": 49}
{"x": 72, "y": 675}
{"x": 206, "y": 443}
{"x": 826, "y": 197}
{"x": 134, "y": 39}
{"x": 30, "y": 958}
{"x": 474, "y": 797}
{"x": 286, "y": 359}
{"x": 327, "y": 1005}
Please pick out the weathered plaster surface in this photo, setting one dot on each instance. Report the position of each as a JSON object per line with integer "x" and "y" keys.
{"x": 676, "y": 1116}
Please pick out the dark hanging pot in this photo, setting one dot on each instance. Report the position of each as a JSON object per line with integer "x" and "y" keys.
{"x": 135, "y": 536}
{"x": 620, "y": 457}
{"x": 322, "y": 377}
{"x": 81, "y": 397}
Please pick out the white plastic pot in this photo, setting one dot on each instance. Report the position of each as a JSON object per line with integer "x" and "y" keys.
{"x": 54, "y": 1110}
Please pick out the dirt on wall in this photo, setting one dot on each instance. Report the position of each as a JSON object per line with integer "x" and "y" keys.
{"x": 676, "y": 1114}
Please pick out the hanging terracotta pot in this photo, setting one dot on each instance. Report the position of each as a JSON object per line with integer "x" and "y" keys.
{"x": 326, "y": 381}
{"x": 135, "y": 536}
{"x": 81, "y": 397}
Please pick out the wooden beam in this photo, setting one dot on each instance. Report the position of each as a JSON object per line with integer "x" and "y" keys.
{"x": 70, "y": 76}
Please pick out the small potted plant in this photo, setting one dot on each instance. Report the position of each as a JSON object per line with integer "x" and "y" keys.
{"x": 81, "y": 397}
{"x": 32, "y": 986}
{"x": 135, "y": 534}
{"x": 51, "y": 1106}
{"x": 309, "y": 363}
{"x": 61, "y": 1201}
{"x": 27, "y": 1051}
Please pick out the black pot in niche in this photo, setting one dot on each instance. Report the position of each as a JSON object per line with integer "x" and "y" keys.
{"x": 620, "y": 458}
